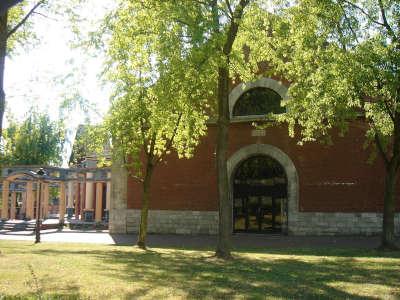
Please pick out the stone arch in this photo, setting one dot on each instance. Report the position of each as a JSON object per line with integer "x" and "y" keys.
{"x": 242, "y": 88}
{"x": 281, "y": 157}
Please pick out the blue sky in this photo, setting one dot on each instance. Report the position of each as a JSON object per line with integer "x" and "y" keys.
{"x": 32, "y": 76}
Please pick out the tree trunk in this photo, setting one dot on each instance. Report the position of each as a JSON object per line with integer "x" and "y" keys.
{"x": 388, "y": 237}
{"x": 225, "y": 206}
{"x": 389, "y": 206}
{"x": 3, "y": 52}
{"x": 391, "y": 165}
{"x": 141, "y": 243}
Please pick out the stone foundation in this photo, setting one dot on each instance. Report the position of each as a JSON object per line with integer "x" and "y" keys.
{"x": 206, "y": 222}
{"x": 315, "y": 223}
{"x": 177, "y": 222}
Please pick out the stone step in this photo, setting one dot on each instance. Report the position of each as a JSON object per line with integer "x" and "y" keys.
{"x": 25, "y": 226}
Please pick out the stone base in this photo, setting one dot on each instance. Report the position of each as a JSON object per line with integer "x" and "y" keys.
{"x": 117, "y": 221}
{"x": 88, "y": 215}
{"x": 206, "y": 222}
{"x": 177, "y": 222}
{"x": 316, "y": 223}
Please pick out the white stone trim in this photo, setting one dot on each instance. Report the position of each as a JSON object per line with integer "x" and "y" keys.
{"x": 269, "y": 83}
{"x": 287, "y": 164}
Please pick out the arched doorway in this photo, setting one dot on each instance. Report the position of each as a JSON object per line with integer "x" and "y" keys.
{"x": 259, "y": 195}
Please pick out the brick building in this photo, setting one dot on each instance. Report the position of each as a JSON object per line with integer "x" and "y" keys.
{"x": 276, "y": 185}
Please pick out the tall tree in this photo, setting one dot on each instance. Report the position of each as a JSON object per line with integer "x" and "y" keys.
{"x": 230, "y": 29}
{"x": 14, "y": 28}
{"x": 155, "y": 109}
{"x": 145, "y": 128}
{"x": 35, "y": 141}
{"x": 343, "y": 59}
{"x": 205, "y": 33}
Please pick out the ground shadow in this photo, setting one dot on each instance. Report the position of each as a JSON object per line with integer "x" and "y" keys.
{"x": 283, "y": 276}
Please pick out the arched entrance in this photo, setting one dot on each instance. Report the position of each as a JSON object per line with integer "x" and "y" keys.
{"x": 259, "y": 195}
{"x": 275, "y": 156}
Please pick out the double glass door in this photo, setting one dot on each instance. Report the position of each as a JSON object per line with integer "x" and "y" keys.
{"x": 259, "y": 196}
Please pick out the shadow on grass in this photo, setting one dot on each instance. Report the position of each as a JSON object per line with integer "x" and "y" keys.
{"x": 284, "y": 274}
{"x": 69, "y": 292}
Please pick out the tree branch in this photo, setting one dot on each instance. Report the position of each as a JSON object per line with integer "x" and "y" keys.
{"x": 171, "y": 140}
{"x": 150, "y": 153}
{"x": 363, "y": 11}
{"x": 379, "y": 145}
{"x": 24, "y": 19}
{"x": 389, "y": 111}
{"x": 385, "y": 102}
{"x": 385, "y": 22}
{"x": 234, "y": 26}
{"x": 349, "y": 23}
{"x": 44, "y": 16}
{"x": 229, "y": 8}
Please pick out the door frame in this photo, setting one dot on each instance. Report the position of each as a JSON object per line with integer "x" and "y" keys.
{"x": 281, "y": 157}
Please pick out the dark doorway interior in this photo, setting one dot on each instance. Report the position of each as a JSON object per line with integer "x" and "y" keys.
{"x": 259, "y": 196}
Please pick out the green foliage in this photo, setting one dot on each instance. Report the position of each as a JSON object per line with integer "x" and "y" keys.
{"x": 20, "y": 37}
{"x": 35, "y": 141}
{"x": 162, "y": 66}
{"x": 342, "y": 60}
{"x": 90, "y": 140}
{"x": 25, "y": 36}
{"x": 163, "y": 61}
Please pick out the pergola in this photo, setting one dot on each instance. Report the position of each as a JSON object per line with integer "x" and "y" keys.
{"x": 84, "y": 193}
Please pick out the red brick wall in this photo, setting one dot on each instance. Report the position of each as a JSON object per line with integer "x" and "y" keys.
{"x": 332, "y": 178}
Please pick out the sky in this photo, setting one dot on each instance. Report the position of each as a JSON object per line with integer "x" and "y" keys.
{"x": 32, "y": 76}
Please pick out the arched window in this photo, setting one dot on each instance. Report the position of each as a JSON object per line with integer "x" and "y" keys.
{"x": 258, "y": 101}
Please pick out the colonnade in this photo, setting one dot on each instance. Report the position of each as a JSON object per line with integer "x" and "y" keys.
{"x": 89, "y": 200}
{"x": 80, "y": 196}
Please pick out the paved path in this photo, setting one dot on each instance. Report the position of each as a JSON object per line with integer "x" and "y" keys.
{"x": 198, "y": 241}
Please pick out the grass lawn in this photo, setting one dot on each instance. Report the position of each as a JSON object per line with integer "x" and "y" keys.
{"x": 72, "y": 271}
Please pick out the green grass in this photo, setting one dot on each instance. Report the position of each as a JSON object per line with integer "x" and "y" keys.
{"x": 72, "y": 271}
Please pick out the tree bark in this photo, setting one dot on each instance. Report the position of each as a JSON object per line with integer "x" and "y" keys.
{"x": 388, "y": 237}
{"x": 392, "y": 166}
{"x": 141, "y": 243}
{"x": 3, "y": 52}
{"x": 225, "y": 206}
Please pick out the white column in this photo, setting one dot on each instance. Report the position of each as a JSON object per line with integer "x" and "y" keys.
{"x": 99, "y": 201}
{"x": 70, "y": 194}
{"x": 89, "y": 192}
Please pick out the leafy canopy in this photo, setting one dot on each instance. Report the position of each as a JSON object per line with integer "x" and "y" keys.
{"x": 157, "y": 66}
{"x": 35, "y": 141}
{"x": 342, "y": 59}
